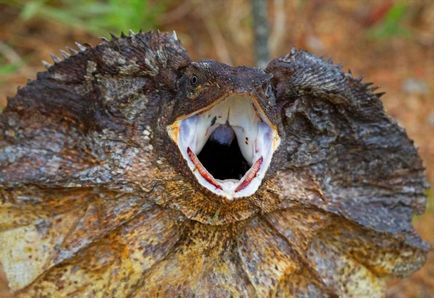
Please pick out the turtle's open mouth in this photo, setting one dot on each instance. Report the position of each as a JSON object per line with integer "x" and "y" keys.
{"x": 228, "y": 146}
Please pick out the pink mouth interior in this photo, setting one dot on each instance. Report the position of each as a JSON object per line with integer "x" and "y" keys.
{"x": 228, "y": 147}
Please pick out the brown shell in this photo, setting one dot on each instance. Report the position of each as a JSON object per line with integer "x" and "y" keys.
{"x": 95, "y": 200}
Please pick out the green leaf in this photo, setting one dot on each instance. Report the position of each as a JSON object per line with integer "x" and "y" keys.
{"x": 31, "y": 9}
{"x": 391, "y": 25}
{"x": 94, "y": 16}
{"x": 8, "y": 69}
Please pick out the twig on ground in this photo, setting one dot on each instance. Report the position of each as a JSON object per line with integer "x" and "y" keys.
{"x": 260, "y": 26}
{"x": 278, "y": 28}
{"x": 9, "y": 53}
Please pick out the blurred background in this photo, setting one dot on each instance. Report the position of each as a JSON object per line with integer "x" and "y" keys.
{"x": 387, "y": 42}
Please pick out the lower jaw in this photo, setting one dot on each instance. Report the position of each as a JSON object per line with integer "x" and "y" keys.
{"x": 228, "y": 188}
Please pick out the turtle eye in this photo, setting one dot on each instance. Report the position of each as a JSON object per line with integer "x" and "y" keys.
{"x": 193, "y": 80}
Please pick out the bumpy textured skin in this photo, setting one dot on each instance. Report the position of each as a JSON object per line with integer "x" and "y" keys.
{"x": 96, "y": 201}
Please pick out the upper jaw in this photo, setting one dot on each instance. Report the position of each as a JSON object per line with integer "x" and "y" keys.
{"x": 236, "y": 118}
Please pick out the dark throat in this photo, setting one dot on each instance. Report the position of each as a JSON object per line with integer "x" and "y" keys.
{"x": 223, "y": 160}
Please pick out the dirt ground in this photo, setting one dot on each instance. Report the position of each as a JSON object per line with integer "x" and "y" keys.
{"x": 398, "y": 56}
